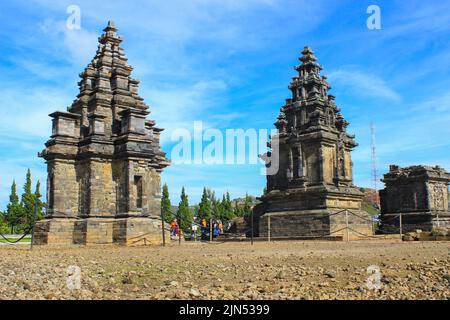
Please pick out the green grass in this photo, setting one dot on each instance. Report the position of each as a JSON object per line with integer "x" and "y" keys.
{"x": 369, "y": 208}
{"x": 26, "y": 240}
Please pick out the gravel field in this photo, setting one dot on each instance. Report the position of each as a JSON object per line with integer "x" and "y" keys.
{"x": 280, "y": 270}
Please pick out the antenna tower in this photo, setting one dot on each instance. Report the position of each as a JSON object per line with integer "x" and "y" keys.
{"x": 375, "y": 197}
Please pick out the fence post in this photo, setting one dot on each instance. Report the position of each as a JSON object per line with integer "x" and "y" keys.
{"x": 251, "y": 223}
{"x": 346, "y": 223}
{"x": 401, "y": 227}
{"x": 163, "y": 226}
{"x": 210, "y": 231}
{"x": 268, "y": 228}
{"x": 373, "y": 226}
{"x": 180, "y": 231}
{"x": 34, "y": 224}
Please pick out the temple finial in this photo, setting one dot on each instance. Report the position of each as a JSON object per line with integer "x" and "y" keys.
{"x": 111, "y": 26}
{"x": 308, "y": 55}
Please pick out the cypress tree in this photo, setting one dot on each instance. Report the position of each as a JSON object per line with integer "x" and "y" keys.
{"x": 238, "y": 212}
{"x": 166, "y": 205}
{"x": 248, "y": 204}
{"x": 184, "y": 213}
{"x": 216, "y": 208}
{"x": 38, "y": 201}
{"x": 14, "y": 209}
{"x": 228, "y": 207}
{"x": 205, "y": 210}
{"x": 28, "y": 201}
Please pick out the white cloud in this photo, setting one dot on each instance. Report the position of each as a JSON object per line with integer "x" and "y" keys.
{"x": 80, "y": 45}
{"x": 362, "y": 84}
{"x": 175, "y": 108}
{"x": 26, "y": 113}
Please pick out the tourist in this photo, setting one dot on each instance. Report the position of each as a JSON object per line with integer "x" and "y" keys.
{"x": 216, "y": 230}
{"x": 194, "y": 231}
{"x": 174, "y": 228}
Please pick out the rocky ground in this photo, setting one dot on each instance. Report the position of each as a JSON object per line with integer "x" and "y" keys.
{"x": 281, "y": 270}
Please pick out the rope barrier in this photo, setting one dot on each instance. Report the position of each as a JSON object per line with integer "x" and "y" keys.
{"x": 246, "y": 231}
{"x": 27, "y": 232}
{"x": 359, "y": 216}
{"x": 362, "y": 234}
{"x": 392, "y": 219}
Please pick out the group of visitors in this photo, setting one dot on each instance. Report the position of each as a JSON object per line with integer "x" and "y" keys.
{"x": 214, "y": 225}
{"x": 175, "y": 230}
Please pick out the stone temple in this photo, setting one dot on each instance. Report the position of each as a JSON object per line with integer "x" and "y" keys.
{"x": 104, "y": 159}
{"x": 315, "y": 177}
{"x": 420, "y": 193}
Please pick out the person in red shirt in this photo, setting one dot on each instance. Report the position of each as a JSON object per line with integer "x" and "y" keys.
{"x": 174, "y": 227}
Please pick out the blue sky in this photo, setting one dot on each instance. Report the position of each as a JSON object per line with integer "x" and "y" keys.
{"x": 229, "y": 63}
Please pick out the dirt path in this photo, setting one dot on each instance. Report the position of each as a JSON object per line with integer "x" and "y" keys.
{"x": 283, "y": 270}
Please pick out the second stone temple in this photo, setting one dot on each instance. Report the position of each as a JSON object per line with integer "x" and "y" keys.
{"x": 104, "y": 159}
{"x": 310, "y": 176}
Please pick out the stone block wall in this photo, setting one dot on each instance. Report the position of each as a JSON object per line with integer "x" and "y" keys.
{"x": 58, "y": 232}
{"x": 63, "y": 189}
{"x": 316, "y": 224}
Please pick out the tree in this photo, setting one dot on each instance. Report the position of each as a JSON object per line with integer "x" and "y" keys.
{"x": 248, "y": 205}
{"x": 238, "y": 212}
{"x": 227, "y": 206}
{"x": 4, "y": 227}
{"x": 166, "y": 205}
{"x": 216, "y": 208}
{"x": 38, "y": 201}
{"x": 28, "y": 201}
{"x": 184, "y": 213}
{"x": 205, "y": 210}
{"x": 14, "y": 209}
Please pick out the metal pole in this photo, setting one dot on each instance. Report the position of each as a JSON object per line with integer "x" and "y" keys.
{"x": 163, "y": 227}
{"x": 346, "y": 222}
{"x": 268, "y": 228}
{"x": 34, "y": 224}
{"x": 401, "y": 227}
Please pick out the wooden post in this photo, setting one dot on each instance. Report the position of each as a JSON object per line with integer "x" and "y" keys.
{"x": 34, "y": 225}
{"x": 373, "y": 227}
{"x": 346, "y": 222}
{"x": 210, "y": 230}
{"x": 179, "y": 228}
{"x": 163, "y": 227}
{"x": 401, "y": 227}
{"x": 252, "y": 225}
{"x": 268, "y": 228}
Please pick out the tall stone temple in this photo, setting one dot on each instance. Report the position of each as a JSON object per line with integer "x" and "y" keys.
{"x": 305, "y": 197}
{"x": 104, "y": 159}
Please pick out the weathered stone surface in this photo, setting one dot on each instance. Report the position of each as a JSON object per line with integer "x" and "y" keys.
{"x": 104, "y": 159}
{"x": 315, "y": 176}
{"x": 419, "y": 194}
